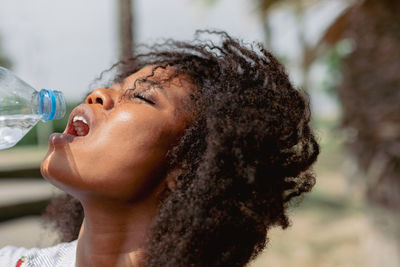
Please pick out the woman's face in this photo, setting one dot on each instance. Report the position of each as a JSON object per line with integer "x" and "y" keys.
{"x": 116, "y": 147}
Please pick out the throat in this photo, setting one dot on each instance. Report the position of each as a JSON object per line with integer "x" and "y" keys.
{"x": 80, "y": 128}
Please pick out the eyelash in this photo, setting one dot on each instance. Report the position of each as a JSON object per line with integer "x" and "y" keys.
{"x": 142, "y": 97}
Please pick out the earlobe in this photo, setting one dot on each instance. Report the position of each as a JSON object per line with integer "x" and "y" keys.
{"x": 174, "y": 177}
{"x": 171, "y": 184}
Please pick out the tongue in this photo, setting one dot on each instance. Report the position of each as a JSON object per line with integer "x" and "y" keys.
{"x": 81, "y": 128}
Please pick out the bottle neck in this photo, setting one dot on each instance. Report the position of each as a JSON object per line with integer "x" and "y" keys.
{"x": 49, "y": 104}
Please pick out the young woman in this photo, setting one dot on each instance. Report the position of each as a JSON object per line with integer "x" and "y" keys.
{"x": 187, "y": 159}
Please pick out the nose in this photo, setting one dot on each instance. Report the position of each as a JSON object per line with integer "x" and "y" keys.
{"x": 101, "y": 96}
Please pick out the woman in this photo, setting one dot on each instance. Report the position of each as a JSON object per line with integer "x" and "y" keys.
{"x": 187, "y": 159}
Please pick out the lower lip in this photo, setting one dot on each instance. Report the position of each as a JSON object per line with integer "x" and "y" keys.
{"x": 61, "y": 138}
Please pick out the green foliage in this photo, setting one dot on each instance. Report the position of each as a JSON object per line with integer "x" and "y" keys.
{"x": 210, "y": 2}
{"x": 207, "y": 2}
{"x": 333, "y": 60}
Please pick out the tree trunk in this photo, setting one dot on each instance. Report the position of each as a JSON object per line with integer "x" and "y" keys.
{"x": 370, "y": 96}
{"x": 303, "y": 64}
{"x": 4, "y": 61}
{"x": 126, "y": 26}
{"x": 266, "y": 30}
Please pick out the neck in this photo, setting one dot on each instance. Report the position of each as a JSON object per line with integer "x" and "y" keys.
{"x": 114, "y": 233}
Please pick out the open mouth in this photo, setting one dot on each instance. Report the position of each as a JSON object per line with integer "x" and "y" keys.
{"x": 78, "y": 127}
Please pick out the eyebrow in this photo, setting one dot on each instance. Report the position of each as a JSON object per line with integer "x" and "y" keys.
{"x": 159, "y": 87}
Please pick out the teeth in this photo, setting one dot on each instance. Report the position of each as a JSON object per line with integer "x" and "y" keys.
{"x": 79, "y": 118}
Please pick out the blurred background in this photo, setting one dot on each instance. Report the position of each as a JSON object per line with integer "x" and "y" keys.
{"x": 344, "y": 53}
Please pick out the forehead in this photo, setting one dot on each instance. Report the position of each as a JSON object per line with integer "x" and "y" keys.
{"x": 156, "y": 74}
{"x": 175, "y": 87}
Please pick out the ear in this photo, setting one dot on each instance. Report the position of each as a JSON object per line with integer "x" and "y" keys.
{"x": 171, "y": 178}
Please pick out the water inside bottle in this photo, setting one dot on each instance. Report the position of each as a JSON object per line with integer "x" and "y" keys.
{"x": 14, "y": 127}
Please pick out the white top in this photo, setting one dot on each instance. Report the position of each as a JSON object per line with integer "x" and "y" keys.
{"x": 61, "y": 255}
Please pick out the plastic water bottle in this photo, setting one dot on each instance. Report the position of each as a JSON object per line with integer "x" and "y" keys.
{"x": 21, "y": 107}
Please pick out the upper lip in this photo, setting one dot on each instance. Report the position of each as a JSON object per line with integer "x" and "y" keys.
{"x": 82, "y": 110}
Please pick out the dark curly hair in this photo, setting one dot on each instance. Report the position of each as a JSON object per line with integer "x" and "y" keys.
{"x": 244, "y": 158}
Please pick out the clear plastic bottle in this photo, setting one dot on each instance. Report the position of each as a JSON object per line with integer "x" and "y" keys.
{"x": 21, "y": 107}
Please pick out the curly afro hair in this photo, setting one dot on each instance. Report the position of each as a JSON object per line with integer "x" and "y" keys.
{"x": 245, "y": 156}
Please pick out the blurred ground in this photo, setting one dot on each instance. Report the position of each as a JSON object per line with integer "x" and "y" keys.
{"x": 328, "y": 228}
{"x": 17, "y": 157}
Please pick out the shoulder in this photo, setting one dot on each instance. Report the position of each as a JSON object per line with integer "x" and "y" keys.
{"x": 61, "y": 255}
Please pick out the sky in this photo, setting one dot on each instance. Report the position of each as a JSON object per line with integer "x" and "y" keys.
{"x": 65, "y": 45}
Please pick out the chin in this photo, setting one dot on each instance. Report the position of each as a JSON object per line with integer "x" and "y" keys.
{"x": 57, "y": 171}
{"x": 44, "y": 167}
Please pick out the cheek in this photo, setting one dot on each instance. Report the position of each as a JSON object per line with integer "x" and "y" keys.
{"x": 132, "y": 149}
{"x": 135, "y": 135}
{"x": 125, "y": 140}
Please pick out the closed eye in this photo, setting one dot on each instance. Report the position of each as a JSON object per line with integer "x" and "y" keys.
{"x": 142, "y": 97}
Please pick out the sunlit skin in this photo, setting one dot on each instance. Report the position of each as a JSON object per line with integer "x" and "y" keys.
{"x": 117, "y": 170}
